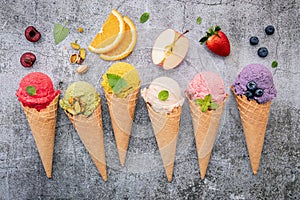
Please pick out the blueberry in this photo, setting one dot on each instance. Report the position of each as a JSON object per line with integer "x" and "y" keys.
{"x": 251, "y": 86}
{"x": 259, "y": 92}
{"x": 262, "y": 52}
{"x": 269, "y": 30}
{"x": 248, "y": 94}
{"x": 254, "y": 40}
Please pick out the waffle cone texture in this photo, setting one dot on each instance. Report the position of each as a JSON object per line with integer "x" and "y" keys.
{"x": 254, "y": 117}
{"x": 42, "y": 124}
{"x": 121, "y": 112}
{"x": 166, "y": 127}
{"x": 206, "y": 126}
{"x": 90, "y": 132}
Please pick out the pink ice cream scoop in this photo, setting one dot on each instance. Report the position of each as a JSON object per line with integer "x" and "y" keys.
{"x": 36, "y": 90}
{"x": 206, "y": 83}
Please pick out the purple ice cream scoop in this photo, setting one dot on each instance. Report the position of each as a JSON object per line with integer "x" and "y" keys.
{"x": 256, "y": 82}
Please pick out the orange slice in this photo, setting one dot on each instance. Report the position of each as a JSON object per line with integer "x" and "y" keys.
{"x": 110, "y": 35}
{"x": 127, "y": 44}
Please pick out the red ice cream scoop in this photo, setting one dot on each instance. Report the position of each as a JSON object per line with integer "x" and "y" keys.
{"x": 36, "y": 91}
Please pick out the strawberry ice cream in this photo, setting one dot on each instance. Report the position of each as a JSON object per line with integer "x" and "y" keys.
{"x": 206, "y": 83}
{"x": 36, "y": 91}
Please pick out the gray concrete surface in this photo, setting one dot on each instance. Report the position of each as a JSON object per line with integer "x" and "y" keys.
{"x": 229, "y": 173}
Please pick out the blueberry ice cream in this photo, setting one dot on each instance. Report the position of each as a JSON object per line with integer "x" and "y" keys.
{"x": 255, "y": 81}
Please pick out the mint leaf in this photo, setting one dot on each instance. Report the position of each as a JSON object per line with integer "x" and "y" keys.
{"x": 204, "y": 107}
{"x": 274, "y": 64}
{"x": 112, "y": 79}
{"x": 145, "y": 16}
{"x": 214, "y": 106}
{"x": 199, "y": 102}
{"x": 116, "y": 83}
{"x": 60, "y": 32}
{"x": 31, "y": 90}
{"x": 208, "y": 98}
{"x": 199, "y": 20}
{"x": 163, "y": 95}
{"x": 207, "y": 103}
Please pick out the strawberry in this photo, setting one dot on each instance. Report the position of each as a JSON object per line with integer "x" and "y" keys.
{"x": 216, "y": 41}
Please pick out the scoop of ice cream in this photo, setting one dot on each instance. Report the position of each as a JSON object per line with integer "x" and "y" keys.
{"x": 36, "y": 91}
{"x": 206, "y": 83}
{"x": 151, "y": 95}
{"x": 260, "y": 78}
{"x": 121, "y": 79}
{"x": 80, "y": 98}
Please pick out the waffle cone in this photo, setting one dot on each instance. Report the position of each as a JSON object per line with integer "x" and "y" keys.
{"x": 42, "y": 124}
{"x": 166, "y": 127}
{"x": 90, "y": 132}
{"x": 206, "y": 126}
{"x": 122, "y": 113}
{"x": 254, "y": 119}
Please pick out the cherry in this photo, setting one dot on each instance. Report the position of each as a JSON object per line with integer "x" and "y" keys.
{"x": 27, "y": 59}
{"x": 32, "y": 34}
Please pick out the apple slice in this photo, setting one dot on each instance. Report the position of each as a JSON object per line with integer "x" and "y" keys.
{"x": 169, "y": 49}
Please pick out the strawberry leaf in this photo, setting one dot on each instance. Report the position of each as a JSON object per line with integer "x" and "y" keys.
{"x": 217, "y": 28}
{"x": 203, "y": 40}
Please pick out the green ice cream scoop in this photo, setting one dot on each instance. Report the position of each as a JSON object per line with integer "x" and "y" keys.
{"x": 80, "y": 98}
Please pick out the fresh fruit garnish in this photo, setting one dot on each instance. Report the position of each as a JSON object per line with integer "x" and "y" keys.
{"x": 169, "y": 49}
{"x": 253, "y": 91}
{"x": 269, "y": 30}
{"x": 110, "y": 35}
{"x": 251, "y": 86}
{"x": 249, "y": 95}
{"x": 32, "y": 34}
{"x": 259, "y": 92}
{"x": 216, "y": 41}
{"x": 254, "y": 40}
{"x": 127, "y": 44}
{"x": 27, "y": 59}
{"x": 262, "y": 52}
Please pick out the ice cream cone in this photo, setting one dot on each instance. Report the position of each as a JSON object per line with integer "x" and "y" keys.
{"x": 90, "y": 132}
{"x": 122, "y": 113}
{"x": 42, "y": 124}
{"x": 254, "y": 119}
{"x": 206, "y": 126}
{"x": 166, "y": 128}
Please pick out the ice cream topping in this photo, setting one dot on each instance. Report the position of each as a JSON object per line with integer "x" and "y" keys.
{"x": 206, "y": 83}
{"x": 121, "y": 79}
{"x": 155, "y": 95}
{"x": 36, "y": 91}
{"x": 255, "y": 81}
{"x": 80, "y": 98}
